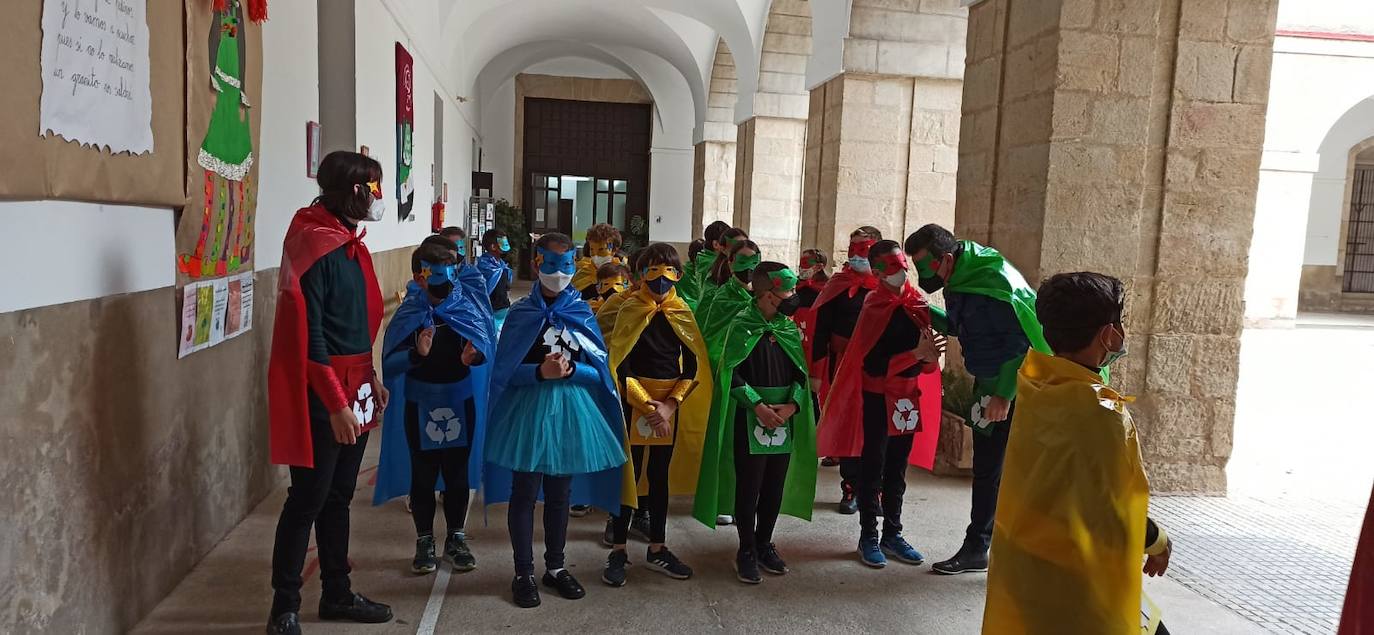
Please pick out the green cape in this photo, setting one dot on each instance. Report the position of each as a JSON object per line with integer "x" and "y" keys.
{"x": 716, "y": 487}
{"x": 717, "y": 311}
{"x": 692, "y": 287}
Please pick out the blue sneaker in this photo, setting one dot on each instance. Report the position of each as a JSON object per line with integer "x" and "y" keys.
{"x": 899, "y": 548}
{"x": 870, "y": 554}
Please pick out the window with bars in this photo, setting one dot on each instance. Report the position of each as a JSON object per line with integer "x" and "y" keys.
{"x": 1359, "y": 241}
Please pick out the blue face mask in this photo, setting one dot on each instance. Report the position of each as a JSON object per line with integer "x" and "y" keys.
{"x": 438, "y": 275}
{"x": 660, "y": 285}
{"x": 462, "y": 248}
{"x": 504, "y": 244}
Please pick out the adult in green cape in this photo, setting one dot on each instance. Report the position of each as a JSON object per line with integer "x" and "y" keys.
{"x": 693, "y": 285}
{"x": 759, "y": 456}
{"x": 729, "y": 297}
{"x": 991, "y": 309}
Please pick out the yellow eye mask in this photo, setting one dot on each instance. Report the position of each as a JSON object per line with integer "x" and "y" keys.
{"x": 618, "y": 283}
{"x": 662, "y": 271}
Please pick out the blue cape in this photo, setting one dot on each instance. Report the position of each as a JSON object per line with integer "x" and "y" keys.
{"x": 492, "y": 268}
{"x": 475, "y": 287}
{"x": 471, "y": 321}
{"x": 524, "y": 323}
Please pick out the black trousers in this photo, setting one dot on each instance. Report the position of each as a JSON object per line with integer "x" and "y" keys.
{"x": 425, "y": 468}
{"x": 318, "y": 497}
{"x": 759, "y": 480}
{"x": 988, "y": 453}
{"x": 882, "y": 470}
{"x": 520, "y": 519}
{"x": 656, "y": 502}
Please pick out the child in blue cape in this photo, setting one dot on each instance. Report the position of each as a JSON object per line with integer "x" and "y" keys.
{"x": 555, "y": 420}
{"x": 434, "y": 357}
{"x": 497, "y": 273}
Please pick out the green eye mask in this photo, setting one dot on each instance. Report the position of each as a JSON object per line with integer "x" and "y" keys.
{"x": 784, "y": 280}
{"x": 745, "y": 263}
{"x": 923, "y": 268}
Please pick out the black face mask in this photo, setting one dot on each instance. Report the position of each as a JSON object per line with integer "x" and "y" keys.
{"x": 931, "y": 284}
{"x": 744, "y": 276}
{"x": 441, "y": 291}
{"x": 660, "y": 285}
{"x": 788, "y": 306}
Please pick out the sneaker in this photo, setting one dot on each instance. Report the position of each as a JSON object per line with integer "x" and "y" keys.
{"x": 725, "y": 519}
{"x": 849, "y": 504}
{"x": 829, "y": 461}
{"x": 614, "y": 573}
{"x": 869, "y": 552}
{"x": 608, "y": 536}
{"x": 284, "y": 624}
{"x": 424, "y": 562}
{"x": 525, "y": 591}
{"x": 578, "y": 511}
{"x": 666, "y": 563}
{"x": 456, "y": 552}
{"x": 747, "y": 568}
{"x": 566, "y": 585}
{"x": 356, "y": 609}
{"x": 962, "y": 562}
{"x": 770, "y": 561}
{"x": 639, "y": 526}
{"x": 897, "y": 547}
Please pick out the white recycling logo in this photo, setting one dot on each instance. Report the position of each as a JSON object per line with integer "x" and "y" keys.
{"x": 978, "y": 415}
{"x": 443, "y": 425}
{"x": 905, "y": 417}
{"x": 770, "y": 438}
{"x": 363, "y": 407}
{"x": 561, "y": 341}
{"x": 642, "y": 426}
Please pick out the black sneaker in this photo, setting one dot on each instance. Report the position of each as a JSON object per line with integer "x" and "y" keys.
{"x": 284, "y": 624}
{"x": 639, "y": 526}
{"x": 770, "y": 561}
{"x": 424, "y": 562}
{"x": 666, "y": 563}
{"x": 578, "y": 511}
{"x": 357, "y": 609}
{"x": 456, "y": 552}
{"x": 747, "y": 568}
{"x": 829, "y": 461}
{"x": 614, "y": 573}
{"x": 566, "y": 585}
{"x": 608, "y": 536}
{"x": 525, "y": 591}
{"x": 849, "y": 504}
{"x": 962, "y": 562}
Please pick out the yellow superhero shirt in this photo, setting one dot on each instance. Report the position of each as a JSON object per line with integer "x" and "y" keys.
{"x": 1068, "y": 542}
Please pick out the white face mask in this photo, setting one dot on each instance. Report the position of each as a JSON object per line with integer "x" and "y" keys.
{"x": 375, "y": 210}
{"x": 896, "y": 279}
{"x": 806, "y": 274}
{"x": 859, "y": 264}
{"x": 555, "y": 282}
{"x": 600, "y": 260}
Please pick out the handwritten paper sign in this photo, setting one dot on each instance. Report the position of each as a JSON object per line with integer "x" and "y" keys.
{"x": 95, "y": 74}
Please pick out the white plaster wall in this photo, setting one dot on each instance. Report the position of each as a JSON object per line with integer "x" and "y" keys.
{"x": 498, "y": 140}
{"x": 576, "y": 67}
{"x": 1338, "y": 16}
{"x": 670, "y": 195}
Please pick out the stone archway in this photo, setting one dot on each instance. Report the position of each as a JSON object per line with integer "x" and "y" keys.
{"x": 713, "y": 182}
{"x": 1324, "y": 258}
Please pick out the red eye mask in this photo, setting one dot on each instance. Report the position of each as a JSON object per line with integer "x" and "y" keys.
{"x": 860, "y": 248}
{"x": 890, "y": 263}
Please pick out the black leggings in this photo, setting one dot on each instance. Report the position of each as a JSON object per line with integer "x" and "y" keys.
{"x": 882, "y": 468}
{"x": 425, "y": 467}
{"x": 759, "y": 481}
{"x": 520, "y": 519}
{"x": 656, "y": 503}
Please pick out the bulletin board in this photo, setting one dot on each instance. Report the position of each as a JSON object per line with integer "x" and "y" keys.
{"x": 37, "y": 167}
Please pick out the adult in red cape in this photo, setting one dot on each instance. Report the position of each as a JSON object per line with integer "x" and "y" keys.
{"x": 891, "y": 368}
{"x": 1358, "y": 616}
{"x": 834, "y": 313}
{"x": 323, "y": 393}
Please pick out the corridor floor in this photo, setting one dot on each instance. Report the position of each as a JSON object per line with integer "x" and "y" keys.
{"x": 827, "y": 589}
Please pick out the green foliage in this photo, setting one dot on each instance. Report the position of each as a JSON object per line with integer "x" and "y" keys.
{"x": 511, "y": 219}
{"x": 958, "y": 391}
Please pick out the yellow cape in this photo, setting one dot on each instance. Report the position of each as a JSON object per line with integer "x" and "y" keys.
{"x": 1069, "y": 538}
{"x": 585, "y": 274}
{"x": 634, "y": 314}
{"x": 606, "y": 313}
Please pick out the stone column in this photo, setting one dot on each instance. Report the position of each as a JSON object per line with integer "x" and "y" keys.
{"x": 1124, "y": 137}
{"x": 768, "y": 175}
{"x": 713, "y": 184}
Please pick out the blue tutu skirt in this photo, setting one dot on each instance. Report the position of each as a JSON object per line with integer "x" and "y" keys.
{"x": 551, "y": 428}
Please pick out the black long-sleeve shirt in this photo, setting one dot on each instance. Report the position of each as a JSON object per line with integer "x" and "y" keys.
{"x": 500, "y": 294}
{"x": 444, "y": 364}
{"x": 335, "y": 307}
{"x": 767, "y": 366}
{"x": 837, "y": 317}
{"x": 659, "y": 354}
{"x": 899, "y": 336}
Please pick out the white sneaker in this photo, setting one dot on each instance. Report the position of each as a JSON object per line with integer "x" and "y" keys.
{"x": 725, "y": 519}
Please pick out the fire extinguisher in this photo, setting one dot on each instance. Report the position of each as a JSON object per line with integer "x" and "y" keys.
{"x": 436, "y": 215}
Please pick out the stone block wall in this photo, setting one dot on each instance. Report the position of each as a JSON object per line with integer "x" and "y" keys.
{"x": 713, "y": 184}
{"x": 768, "y": 184}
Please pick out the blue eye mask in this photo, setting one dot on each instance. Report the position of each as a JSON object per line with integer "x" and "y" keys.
{"x": 504, "y": 244}
{"x": 550, "y": 262}
{"x": 437, "y": 275}
{"x": 462, "y": 248}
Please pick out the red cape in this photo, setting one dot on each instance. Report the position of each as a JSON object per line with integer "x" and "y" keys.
{"x": 804, "y": 317}
{"x": 314, "y": 232}
{"x": 1358, "y": 616}
{"x": 839, "y": 432}
{"x": 846, "y": 281}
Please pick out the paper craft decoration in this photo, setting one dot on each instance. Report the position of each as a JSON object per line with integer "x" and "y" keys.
{"x": 213, "y": 311}
{"x": 405, "y": 131}
{"x": 95, "y": 74}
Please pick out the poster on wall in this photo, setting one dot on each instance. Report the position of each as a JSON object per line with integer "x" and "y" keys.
{"x": 95, "y": 74}
{"x": 405, "y": 131}
{"x": 213, "y": 311}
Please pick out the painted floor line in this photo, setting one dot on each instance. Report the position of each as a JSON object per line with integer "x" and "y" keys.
{"x": 430, "y": 618}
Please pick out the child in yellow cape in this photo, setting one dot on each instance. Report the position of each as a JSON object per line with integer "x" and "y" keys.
{"x": 659, "y": 361}
{"x": 1071, "y": 520}
{"x": 603, "y": 239}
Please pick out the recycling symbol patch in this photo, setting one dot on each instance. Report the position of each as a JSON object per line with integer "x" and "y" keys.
{"x": 562, "y": 341}
{"x": 978, "y": 414}
{"x": 905, "y": 417}
{"x": 777, "y": 437}
{"x": 364, "y": 408}
{"x": 642, "y": 426}
{"x": 443, "y": 426}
